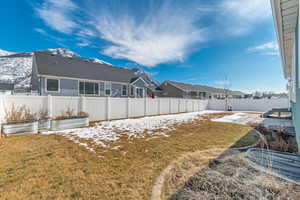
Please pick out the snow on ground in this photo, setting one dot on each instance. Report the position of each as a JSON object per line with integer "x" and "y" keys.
{"x": 240, "y": 118}
{"x": 110, "y": 131}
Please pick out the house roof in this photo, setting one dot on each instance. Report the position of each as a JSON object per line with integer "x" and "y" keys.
{"x": 285, "y": 14}
{"x": 56, "y": 65}
{"x": 201, "y": 88}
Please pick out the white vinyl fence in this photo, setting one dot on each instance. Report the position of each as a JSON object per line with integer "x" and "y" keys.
{"x": 259, "y": 105}
{"x": 102, "y": 108}
{"x": 106, "y": 108}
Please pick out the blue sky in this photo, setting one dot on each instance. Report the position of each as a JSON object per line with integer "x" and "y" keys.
{"x": 195, "y": 41}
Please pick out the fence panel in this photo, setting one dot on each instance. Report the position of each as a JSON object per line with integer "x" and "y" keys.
{"x": 260, "y": 105}
{"x": 96, "y": 108}
{"x": 61, "y": 104}
{"x": 164, "y": 105}
{"x": 34, "y": 103}
{"x": 137, "y": 107}
{"x": 118, "y": 109}
{"x": 174, "y": 105}
{"x": 152, "y": 107}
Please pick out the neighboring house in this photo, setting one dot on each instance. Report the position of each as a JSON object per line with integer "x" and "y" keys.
{"x": 236, "y": 94}
{"x": 184, "y": 90}
{"x": 63, "y": 76}
{"x": 286, "y": 17}
{"x": 6, "y": 87}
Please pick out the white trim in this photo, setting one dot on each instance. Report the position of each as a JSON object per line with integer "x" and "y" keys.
{"x": 58, "y": 91}
{"x": 140, "y": 79}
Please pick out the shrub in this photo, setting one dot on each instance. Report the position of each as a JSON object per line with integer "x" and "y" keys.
{"x": 70, "y": 114}
{"x": 19, "y": 115}
{"x": 43, "y": 115}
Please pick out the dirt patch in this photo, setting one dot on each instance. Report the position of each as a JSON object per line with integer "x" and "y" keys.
{"x": 211, "y": 116}
{"x": 231, "y": 177}
{"x": 179, "y": 171}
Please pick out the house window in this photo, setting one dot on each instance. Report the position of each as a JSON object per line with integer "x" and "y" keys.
{"x": 81, "y": 88}
{"x": 131, "y": 90}
{"x": 52, "y": 85}
{"x": 107, "y": 88}
{"x": 124, "y": 90}
{"x": 89, "y": 88}
{"x": 139, "y": 92}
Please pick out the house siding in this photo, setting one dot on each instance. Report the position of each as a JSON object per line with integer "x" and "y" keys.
{"x": 171, "y": 91}
{"x": 70, "y": 87}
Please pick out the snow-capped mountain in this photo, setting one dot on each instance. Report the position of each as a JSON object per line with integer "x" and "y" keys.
{"x": 146, "y": 76}
{"x": 16, "y": 67}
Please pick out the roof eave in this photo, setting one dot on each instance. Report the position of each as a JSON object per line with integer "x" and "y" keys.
{"x": 277, "y": 15}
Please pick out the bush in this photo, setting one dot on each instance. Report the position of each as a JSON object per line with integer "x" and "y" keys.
{"x": 70, "y": 114}
{"x": 19, "y": 115}
{"x": 43, "y": 115}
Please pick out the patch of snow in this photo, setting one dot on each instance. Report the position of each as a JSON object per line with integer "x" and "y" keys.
{"x": 240, "y": 118}
{"x": 110, "y": 131}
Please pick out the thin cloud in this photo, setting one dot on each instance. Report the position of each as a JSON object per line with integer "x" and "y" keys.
{"x": 58, "y": 14}
{"x": 269, "y": 48}
{"x": 238, "y": 17}
{"x": 165, "y": 34}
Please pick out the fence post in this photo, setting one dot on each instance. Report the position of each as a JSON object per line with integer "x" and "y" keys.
{"x": 50, "y": 105}
{"x": 186, "y": 105}
{"x": 170, "y": 105}
{"x": 158, "y": 105}
{"x": 107, "y": 108}
{"x": 145, "y": 106}
{"x": 82, "y": 103}
{"x": 128, "y": 107}
{"x": 2, "y": 113}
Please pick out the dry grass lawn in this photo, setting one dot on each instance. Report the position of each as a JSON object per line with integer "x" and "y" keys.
{"x": 53, "y": 167}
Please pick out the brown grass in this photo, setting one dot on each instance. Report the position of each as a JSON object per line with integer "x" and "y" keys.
{"x": 215, "y": 115}
{"x": 53, "y": 167}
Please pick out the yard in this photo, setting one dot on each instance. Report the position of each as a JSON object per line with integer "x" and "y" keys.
{"x": 125, "y": 166}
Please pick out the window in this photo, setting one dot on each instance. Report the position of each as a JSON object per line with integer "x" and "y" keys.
{"x": 52, "y": 85}
{"x": 124, "y": 90}
{"x": 81, "y": 88}
{"x": 139, "y": 92}
{"x": 89, "y": 88}
{"x": 107, "y": 88}
{"x": 131, "y": 90}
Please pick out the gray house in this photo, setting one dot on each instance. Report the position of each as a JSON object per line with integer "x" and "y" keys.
{"x": 184, "y": 90}
{"x": 63, "y": 76}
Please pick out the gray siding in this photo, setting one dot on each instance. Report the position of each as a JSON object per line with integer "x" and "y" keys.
{"x": 70, "y": 87}
{"x": 139, "y": 83}
{"x": 171, "y": 91}
{"x": 34, "y": 76}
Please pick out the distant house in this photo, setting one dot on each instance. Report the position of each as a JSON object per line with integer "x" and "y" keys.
{"x": 63, "y": 76}
{"x": 184, "y": 90}
{"x": 6, "y": 87}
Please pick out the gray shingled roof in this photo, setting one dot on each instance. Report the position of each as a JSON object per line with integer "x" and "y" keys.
{"x": 55, "y": 65}
{"x": 201, "y": 88}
